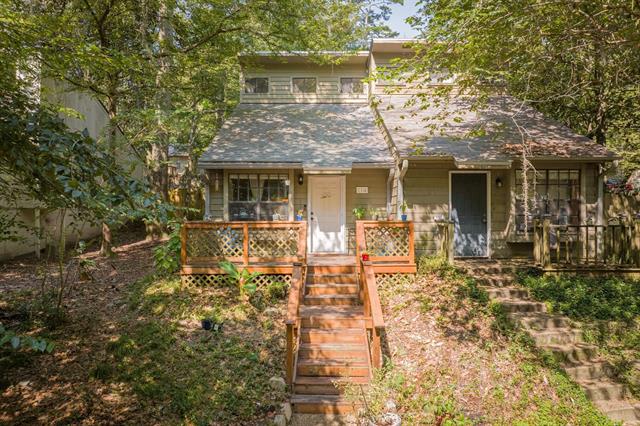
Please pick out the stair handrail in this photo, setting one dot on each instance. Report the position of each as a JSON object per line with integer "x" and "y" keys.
{"x": 372, "y": 310}
{"x": 292, "y": 322}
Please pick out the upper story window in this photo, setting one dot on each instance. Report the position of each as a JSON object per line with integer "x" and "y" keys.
{"x": 303, "y": 84}
{"x": 256, "y": 85}
{"x": 351, "y": 85}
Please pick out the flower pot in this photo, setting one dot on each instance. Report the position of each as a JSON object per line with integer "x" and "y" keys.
{"x": 365, "y": 257}
{"x": 299, "y": 217}
{"x": 403, "y": 217}
{"x": 207, "y": 324}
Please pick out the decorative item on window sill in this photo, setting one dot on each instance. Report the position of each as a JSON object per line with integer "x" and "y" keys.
{"x": 499, "y": 182}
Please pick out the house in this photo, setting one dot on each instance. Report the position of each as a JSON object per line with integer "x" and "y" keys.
{"x": 312, "y": 147}
{"x": 34, "y": 220}
{"x": 316, "y": 141}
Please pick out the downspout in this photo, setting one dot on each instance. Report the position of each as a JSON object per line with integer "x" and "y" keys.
{"x": 403, "y": 171}
{"x": 392, "y": 173}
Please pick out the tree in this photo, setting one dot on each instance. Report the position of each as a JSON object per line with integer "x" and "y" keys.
{"x": 575, "y": 60}
{"x": 372, "y": 18}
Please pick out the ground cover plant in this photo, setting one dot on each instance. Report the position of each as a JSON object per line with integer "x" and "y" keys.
{"x": 453, "y": 357}
{"x": 608, "y": 309}
{"x": 132, "y": 349}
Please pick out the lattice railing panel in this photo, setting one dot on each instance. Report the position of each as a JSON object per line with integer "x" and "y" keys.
{"x": 384, "y": 280}
{"x": 269, "y": 243}
{"x": 218, "y": 242}
{"x": 222, "y": 279}
{"x": 387, "y": 240}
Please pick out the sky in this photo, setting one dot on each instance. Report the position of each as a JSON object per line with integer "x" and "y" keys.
{"x": 399, "y": 14}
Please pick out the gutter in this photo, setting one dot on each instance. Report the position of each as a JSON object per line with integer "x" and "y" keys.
{"x": 403, "y": 171}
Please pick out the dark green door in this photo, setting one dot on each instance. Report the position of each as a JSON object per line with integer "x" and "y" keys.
{"x": 469, "y": 213}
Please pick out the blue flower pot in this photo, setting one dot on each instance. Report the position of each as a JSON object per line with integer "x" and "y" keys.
{"x": 403, "y": 217}
{"x": 298, "y": 217}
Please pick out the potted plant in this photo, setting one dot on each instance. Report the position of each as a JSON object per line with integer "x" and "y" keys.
{"x": 403, "y": 209}
{"x": 359, "y": 213}
{"x": 365, "y": 256}
{"x": 300, "y": 215}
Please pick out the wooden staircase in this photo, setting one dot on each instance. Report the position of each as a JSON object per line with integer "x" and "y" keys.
{"x": 332, "y": 340}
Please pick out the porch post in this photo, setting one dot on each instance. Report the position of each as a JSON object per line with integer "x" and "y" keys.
{"x": 207, "y": 195}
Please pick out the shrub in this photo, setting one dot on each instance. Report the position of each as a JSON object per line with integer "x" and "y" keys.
{"x": 601, "y": 298}
{"x": 166, "y": 257}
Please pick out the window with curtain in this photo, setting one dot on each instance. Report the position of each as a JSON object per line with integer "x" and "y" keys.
{"x": 256, "y": 85}
{"x": 259, "y": 196}
{"x": 556, "y": 195}
{"x": 303, "y": 84}
{"x": 351, "y": 85}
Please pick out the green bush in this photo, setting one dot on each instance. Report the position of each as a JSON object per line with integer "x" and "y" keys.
{"x": 166, "y": 257}
{"x": 602, "y": 298}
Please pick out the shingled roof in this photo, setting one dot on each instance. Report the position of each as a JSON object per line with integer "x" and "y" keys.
{"x": 453, "y": 129}
{"x": 322, "y": 136}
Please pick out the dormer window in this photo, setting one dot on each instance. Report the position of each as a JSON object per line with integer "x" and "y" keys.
{"x": 351, "y": 85}
{"x": 256, "y": 85}
{"x": 303, "y": 84}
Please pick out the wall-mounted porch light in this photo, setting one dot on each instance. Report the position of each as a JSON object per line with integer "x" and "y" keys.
{"x": 300, "y": 179}
{"x": 499, "y": 182}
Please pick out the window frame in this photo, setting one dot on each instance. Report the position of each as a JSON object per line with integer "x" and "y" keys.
{"x": 255, "y": 78}
{"x": 315, "y": 87}
{"x": 571, "y": 186}
{"x": 258, "y": 201}
{"x": 359, "y": 79}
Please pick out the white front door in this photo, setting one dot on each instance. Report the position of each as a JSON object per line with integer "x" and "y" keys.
{"x": 327, "y": 214}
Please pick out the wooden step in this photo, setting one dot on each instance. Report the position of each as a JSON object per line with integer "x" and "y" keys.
{"x": 336, "y": 335}
{"x": 321, "y": 404}
{"x": 324, "y": 316}
{"x": 332, "y": 278}
{"x": 331, "y": 288}
{"x": 325, "y": 385}
{"x": 333, "y": 367}
{"x": 332, "y": 350}
{"x": 332, "y": 299}
{"x": 331, "y": 269}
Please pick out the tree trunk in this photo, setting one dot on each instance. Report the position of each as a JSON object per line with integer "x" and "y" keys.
{"x": 158, "y": 156}
{"x": 106, "y": 247}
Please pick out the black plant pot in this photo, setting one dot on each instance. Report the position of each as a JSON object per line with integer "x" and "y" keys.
{"x": 207, "y": 324}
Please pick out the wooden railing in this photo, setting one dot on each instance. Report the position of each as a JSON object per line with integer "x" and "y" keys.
{"x": 386, "y": 242}
{"x": 611, "y": 245}
{"x": 205, "y": 244}
{"x": 372, "y": 311}
{"x": 445, "y": 238}
{"x": 296, "y": 295}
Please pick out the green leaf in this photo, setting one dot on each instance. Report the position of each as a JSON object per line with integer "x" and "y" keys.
{"x": 15, "y": 342}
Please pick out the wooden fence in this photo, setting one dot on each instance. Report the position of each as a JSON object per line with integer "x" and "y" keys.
{"x": 387, "y": 243}
{"x": 612, "y": 245}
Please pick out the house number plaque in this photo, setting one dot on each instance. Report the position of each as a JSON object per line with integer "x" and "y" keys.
{"x": 362, "y": 189}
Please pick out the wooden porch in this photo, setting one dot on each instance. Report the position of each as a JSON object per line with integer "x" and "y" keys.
{"x": 334, "y": 323}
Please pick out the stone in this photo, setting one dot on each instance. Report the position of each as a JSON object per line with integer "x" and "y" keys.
{"x": 271, "y": 311}
{"x": 390, "y": 406}
{"x": 286, "y": 410}
{"x": 390, "y": 419}
{"x": 280, "y": 420}
{"x": 277, "y": 384}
